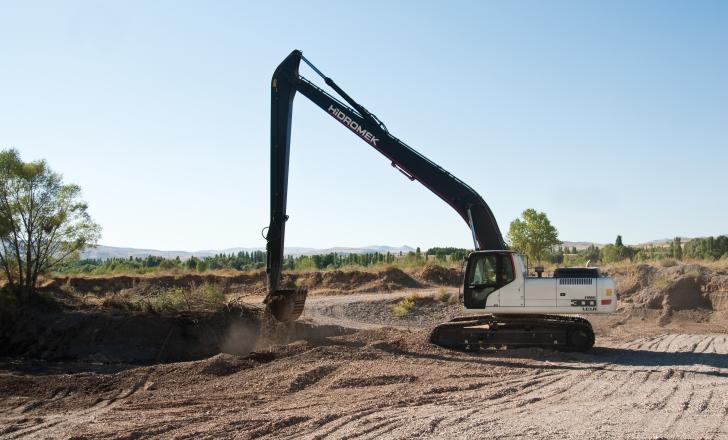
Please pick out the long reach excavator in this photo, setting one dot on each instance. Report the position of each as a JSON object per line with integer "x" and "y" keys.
{"x": 503, "y": 305}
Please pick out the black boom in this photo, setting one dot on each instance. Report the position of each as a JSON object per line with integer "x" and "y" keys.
{"x": 286, "y": 82}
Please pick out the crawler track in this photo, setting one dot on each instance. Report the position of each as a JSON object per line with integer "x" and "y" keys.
{"x": 564, "y": 333}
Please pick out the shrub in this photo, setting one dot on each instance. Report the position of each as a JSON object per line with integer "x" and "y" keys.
{"x": 442, "y": 295}
{"x": 661, "y": 282}
{"x": 210, "y": 295}
{"x": 125, "y": 302}
{"x": 668, "y": 262}
{"x": 454, "y": 299}
{"x": 170, "y": 300}
{"x": 206, "y": 296}
{"x": 404, "y": 306}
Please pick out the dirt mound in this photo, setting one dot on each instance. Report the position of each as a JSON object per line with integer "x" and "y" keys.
{"x": 225, "y": 364}
{"x": 633, "y": 279}
{"x": 443, "y": 276}
{"x": 311, "y": 377}
{"x": 679, "y": 288}
{"x": 338, "y": 280}
{"x": 253, "y": 282}
{"x": 685, "y": 293}
{"x": 344, "y": 281}
{"x": 333, "y": 281}
{"x": 391, "y": 279}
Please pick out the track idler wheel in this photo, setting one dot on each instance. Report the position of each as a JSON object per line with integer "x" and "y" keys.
{"x": 286, "y": 305}
{"x": 580, "y": 339}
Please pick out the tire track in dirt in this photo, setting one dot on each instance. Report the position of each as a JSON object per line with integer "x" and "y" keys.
{"x": 390, "y": 383}
{"x": 673, "y": 395}
{"x": 57, "y": 421}
{"x": 511, "y": 404}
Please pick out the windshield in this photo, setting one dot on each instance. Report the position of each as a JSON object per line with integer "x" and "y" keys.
{"x": 491, "y": 270}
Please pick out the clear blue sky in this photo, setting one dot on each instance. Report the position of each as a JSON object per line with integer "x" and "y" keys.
{"x": 612, "y": 117}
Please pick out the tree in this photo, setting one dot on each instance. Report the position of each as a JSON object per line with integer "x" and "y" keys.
{"x": 534, "y": 235}
{"x": 623, "y": 252}
{"x": 677, "y": 249}
{"x": 610, "y": 254}
{"x": 591, "y": 253}
{"x": 43, "y": 222}
{"x": 557, "y": 257}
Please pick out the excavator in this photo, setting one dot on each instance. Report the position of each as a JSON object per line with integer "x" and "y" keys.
{"x": 503, "y": 305}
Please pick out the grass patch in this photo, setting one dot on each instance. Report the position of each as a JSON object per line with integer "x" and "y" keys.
{"x": 442, "y": 295}
{"x": 667, "y": 262}
{"x": 405, "y": 305}
{"x": 661, "y": 282}
{"x": 454, "y": 299}
{"x": 206, "y": 296}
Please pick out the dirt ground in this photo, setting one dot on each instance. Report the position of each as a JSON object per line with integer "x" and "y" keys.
{"x": 359, "y": 372}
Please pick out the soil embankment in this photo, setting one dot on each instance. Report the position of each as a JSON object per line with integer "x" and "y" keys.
{"x": 254, "y": 283}
{"x": 692, "y": 290}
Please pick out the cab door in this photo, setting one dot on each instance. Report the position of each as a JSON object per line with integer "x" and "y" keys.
{"x": 511, "y": 294}
{"x": 489, "y": 281}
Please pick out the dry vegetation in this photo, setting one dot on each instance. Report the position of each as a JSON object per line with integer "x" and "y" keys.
{"x": 405, "y": 305}
{"x": 192, "y": 291}
{"x": 206, "y": 296}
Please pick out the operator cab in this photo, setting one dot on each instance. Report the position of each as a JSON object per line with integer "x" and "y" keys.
{"x": 488, "y": 272}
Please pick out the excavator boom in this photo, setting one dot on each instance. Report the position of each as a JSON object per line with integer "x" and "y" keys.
{"x": 285, "y": 84}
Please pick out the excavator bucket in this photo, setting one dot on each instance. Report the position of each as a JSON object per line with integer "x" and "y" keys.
{"x": 286, "y": 305}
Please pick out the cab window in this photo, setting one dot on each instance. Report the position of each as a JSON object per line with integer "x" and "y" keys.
{"x": 486, "y": 274}
{"x": 493, "y": 270}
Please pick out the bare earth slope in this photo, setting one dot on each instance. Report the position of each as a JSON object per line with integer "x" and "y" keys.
{"x": 659, "y": 370}
{"x": 389, "y": 383}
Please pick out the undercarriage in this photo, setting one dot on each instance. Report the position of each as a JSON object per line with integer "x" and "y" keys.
{"x": 564, "y": 333}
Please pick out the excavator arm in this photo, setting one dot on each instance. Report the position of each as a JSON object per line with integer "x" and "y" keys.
{"x": 287, "y": 305}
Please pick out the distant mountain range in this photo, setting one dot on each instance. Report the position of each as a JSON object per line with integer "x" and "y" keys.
{"x": 579, "y": 245}
{"x": 102, "y": 252}
{"x": 660, "y": 242}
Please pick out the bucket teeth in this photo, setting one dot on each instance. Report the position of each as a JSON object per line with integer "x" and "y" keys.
{"x": 286, "y": 304}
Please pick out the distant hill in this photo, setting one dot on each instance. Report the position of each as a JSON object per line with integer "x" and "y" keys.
{"x": 102, "y": 252}
{"x": 667, "y": 241}
{"x": 579, "y": 245}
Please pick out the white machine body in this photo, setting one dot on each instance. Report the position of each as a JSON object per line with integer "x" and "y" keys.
{"x": 497, "y": 282}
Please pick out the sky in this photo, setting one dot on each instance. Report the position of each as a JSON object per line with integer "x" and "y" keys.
{"x": 610, "y": 117}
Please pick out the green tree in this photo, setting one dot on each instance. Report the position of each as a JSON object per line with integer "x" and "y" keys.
{"x": 591, "y": 253}
{"x": 677, "y": 249}
{"x": 534, "y": 235}
{"x": 43, "y": 222}
{"x": 624, "y": 252}
{"x": 610, "y": 254}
